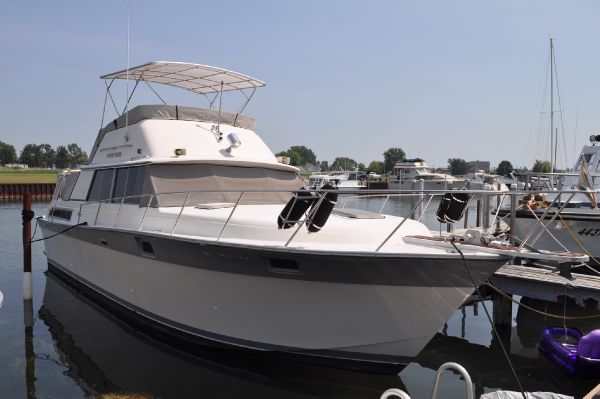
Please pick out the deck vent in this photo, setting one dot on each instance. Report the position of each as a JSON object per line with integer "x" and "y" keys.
{"x": 287, "y": 266}
{"x": 180, "y": 151}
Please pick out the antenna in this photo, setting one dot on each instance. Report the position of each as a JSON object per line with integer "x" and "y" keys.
{"x": 127, "y": 80}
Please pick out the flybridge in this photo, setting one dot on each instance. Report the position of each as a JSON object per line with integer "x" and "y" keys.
{"x": 206, "y": 80}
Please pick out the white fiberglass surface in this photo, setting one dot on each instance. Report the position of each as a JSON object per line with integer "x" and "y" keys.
{"x": 257, "y": 225}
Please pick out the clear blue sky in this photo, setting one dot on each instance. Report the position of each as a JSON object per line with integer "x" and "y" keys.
{"x": 439, "y": 79}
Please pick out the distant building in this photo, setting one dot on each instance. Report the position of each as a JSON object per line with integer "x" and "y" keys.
{"x": 476, "y": 166}
{"x": 17, "y": 166}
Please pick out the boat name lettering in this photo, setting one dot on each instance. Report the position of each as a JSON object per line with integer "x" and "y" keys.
{"x": 215, "y": 254}
{"x": 114, "y": 154}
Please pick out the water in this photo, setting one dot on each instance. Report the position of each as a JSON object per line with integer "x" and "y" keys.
{"x": 77, "y": 350}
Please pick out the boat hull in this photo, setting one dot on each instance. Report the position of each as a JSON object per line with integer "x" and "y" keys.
{"x": 577, "y": 232}
{"x": 400, "y": 184}
{"x": 341, "y": 308}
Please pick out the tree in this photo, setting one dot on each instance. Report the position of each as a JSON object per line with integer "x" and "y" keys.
{"x": 361, "y": 166}
{"x": 504, "y": 168}
{"x": 542, "y": 166}
{"x": 31, "y": 155}
{"x": 457, "y": 166}
{"x": 7, "y": 153}
{"x": 306, "y": 154}
{"x": 324, "y": 165}
{"x": 47, "y": 155}
{"x": 391, "y": 156}
{"x": 376, "y": 166}
{"x": 76, "y": 155}
{"x": 343, "y": 163}
{"x": 62, "y": 157}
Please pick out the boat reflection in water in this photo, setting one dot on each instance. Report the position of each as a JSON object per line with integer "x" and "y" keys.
{"x": 105, "y": 355}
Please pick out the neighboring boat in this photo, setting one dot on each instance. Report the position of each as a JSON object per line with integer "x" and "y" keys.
{"x": 571, "y": 350}
{"x": 345, "y": 180}
{"x": 174, "y": 223}
{"x": 576, "y": 227}
{"x": 407, "y": 171}
{"x": 485, "y": 181}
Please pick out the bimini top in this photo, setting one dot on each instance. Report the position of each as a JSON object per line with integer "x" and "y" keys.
{"x": 200, "y": 79}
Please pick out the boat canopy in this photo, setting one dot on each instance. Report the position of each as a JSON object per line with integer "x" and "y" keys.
{"x": 201, "y": 79}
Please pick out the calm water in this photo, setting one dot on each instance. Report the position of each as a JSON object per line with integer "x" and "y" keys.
{"x": 76, "y": 350}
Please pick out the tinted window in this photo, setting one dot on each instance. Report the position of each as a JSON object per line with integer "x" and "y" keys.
{"x": 102, "y": 185}
{"x": 70, "y": 181}
{"x": 135, "y": 184}
{"x": 58, "y": 187}
{"x": 120, "y": 183}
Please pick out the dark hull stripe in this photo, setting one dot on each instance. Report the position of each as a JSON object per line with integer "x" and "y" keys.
{"x": 371, "y": 269}
{"x": 188, "y": 338}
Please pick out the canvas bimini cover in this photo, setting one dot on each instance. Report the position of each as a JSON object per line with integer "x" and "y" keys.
{"x": 201, "y": 79}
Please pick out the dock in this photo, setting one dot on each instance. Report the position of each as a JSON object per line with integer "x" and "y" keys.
{"x": 548, "y": 285}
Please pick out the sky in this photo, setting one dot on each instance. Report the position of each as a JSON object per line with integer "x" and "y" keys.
{"x": 439, "y": 79}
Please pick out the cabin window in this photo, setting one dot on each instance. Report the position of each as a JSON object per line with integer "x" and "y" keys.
{"x": 69, "y": 185}
{"x": 101, "y": 185}
{"x": 58, "y": 187}
{"x": 135, "y": 184}
{"x": 120, "y": 183}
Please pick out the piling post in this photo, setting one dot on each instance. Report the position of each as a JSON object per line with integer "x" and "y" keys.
{"x": 478, "y": 215}
{"x": 466, "y": 217}
{"x": 513, "y": 215}
{"x": 412, "y": 198}
{"x": 502, "y": 310}
{"x": 27, "y": 215}
{"x": 421, "y": 185}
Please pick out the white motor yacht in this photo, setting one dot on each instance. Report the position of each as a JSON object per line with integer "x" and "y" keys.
{"x": 408, "y": 171}
{"x": 176, "y": 223}
{"x": 346, "y": 180}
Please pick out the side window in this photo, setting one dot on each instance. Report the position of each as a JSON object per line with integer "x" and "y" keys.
{"x": 69, "y": 185}
{"x": 101, "y": 185}
{"x": 58, "y": 187}
{"x": 120, "y": 184}
{"x": 135, "y": 184}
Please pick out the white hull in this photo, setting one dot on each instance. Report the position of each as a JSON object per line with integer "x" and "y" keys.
{"x": 386, "y": 323}
{"x": 395, "y": 184}
{"x": 575, "y": 236}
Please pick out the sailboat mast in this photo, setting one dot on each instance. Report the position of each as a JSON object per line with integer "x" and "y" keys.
{"x": 552, "y": 138}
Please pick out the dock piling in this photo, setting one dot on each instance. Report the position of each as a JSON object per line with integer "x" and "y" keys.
{"x": 27, "y": 215}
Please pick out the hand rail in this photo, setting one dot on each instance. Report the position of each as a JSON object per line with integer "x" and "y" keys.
{"x": 461, "y": 370}
{"x": 425, "y": 198}
{"x": 230, "y": 215}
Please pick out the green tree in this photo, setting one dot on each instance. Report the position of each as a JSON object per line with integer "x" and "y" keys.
{"x": 391, "y": 156}
{"x": 306, "y": 154}
{"x": 361, "y": 166}
{"x": 47, "y": 155}
{"x": 31, "y": 155}
{"x": 324, "y": 165}
{"x": 62, "y": 157}
{"x": 376, "y": 166}
{"x": 542, "y": 166}
{"x": 7, "y": 153}
{"x": 504, "y": 168}
{"x": 76, "y": 155}
{"x": 344, "y": 163}
{"x": 457, "y": 166}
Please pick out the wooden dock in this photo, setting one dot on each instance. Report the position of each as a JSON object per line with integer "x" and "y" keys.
{"x": 544, "y": 284}
{"x": 14, "y": 191}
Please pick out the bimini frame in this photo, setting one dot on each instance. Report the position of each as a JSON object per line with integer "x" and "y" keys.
{"x": 206, "y": 80}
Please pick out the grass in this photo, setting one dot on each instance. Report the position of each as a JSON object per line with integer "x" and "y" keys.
{"x": 10, "y": 175}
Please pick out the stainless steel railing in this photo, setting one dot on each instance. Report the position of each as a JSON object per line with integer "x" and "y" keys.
{"x": 420, "y": 203}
